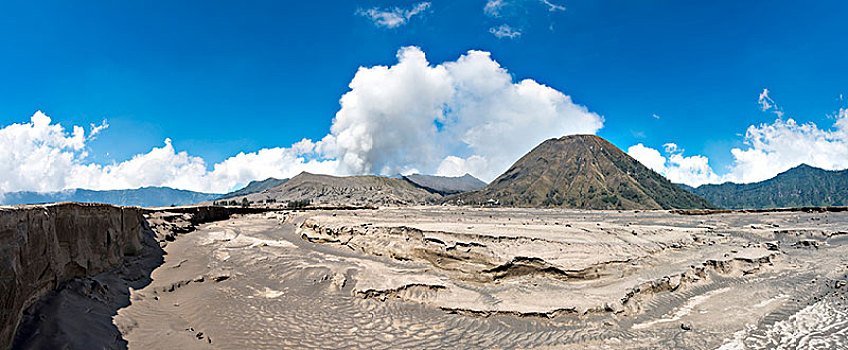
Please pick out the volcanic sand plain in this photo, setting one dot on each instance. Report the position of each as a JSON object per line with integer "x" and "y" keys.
{"x": 448, "y": 277}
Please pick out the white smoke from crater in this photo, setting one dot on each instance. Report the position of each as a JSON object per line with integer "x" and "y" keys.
{"x": 463, "y": 116}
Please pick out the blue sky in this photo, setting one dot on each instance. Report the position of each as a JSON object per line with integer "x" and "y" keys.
{"x": 223, "y": 77}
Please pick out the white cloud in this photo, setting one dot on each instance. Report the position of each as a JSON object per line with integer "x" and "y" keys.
{"x": 776, "y": 147}
{"x": 765, "y": 101}
{"x": 649, "y": 157}
{"x": 42, "y": 156}
{"x": 552, "y": 7}
{"x": 505, "y": 31}
{"x": 456, "y": 166}
{"x": 493, "y": 7}
{"x": 672, "y": 148}
{"x": 769, "y": 150}
{"x": 164, "y": 166}
{"x": 161, "y": 166}
{"x": 456, "y": 117}
{"x": 96, "y": 129}
{"x": 393, "y": 17}
{"x": 515, "y": 14}
{"x": 692, "y": 170}
{"x": 37, "y": 155}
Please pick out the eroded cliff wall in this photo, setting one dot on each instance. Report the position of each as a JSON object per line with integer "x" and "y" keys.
{"x": 42, "y": 246}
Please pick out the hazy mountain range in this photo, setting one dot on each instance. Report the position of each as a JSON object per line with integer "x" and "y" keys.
{"x": 577, "y": 171}
{"x": 801, "y": 186}
{"x": 143, "y": 197}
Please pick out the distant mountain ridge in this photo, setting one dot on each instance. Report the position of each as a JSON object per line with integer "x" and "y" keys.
{"x": 445, "y": 185}
{"x": 801, "y": 186}
{"x": 142, "y": 197}
{"x": 345, "y": 190}
{"x": 584, "y": 172}
{"x": 255, "y": 187}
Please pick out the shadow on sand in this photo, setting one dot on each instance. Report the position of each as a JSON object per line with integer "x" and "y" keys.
{"x": 78, "y": 314}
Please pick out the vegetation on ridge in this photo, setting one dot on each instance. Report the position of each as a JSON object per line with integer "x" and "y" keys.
{"x": 582, "y": 171}
{"x": 801, "y": 186}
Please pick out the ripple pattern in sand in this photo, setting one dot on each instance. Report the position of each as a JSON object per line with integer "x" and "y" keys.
{"x": 296, "y": 296}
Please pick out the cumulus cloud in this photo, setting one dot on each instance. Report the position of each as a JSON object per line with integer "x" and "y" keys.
{"x": 783, "y": 144}
{"x": 770, "y": 148}
{"x": 690, "y": 170}
{"x": 161, "y": 166}
{"x": 42, "y": 156}
{"x": 505, "y": 31}
{"x": 649, "y": 157}
{"x": 164, "y": 166}
{"x": 393, "y": 17}
{"x": 38, "y": 155}
{"x": 672, "y": 148}
{"x": 462, "y": 116}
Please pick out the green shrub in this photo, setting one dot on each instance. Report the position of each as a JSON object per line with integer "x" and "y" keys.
{"x": 303, "y": 203}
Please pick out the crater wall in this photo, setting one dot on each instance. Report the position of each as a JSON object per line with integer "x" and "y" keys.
{"x": 42, "y": 246}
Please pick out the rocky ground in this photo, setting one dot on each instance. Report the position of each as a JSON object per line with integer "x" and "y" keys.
{"x": 494, "y": 278}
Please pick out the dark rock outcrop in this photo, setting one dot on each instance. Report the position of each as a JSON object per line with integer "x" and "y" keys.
{"x": 69, "y": 267}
